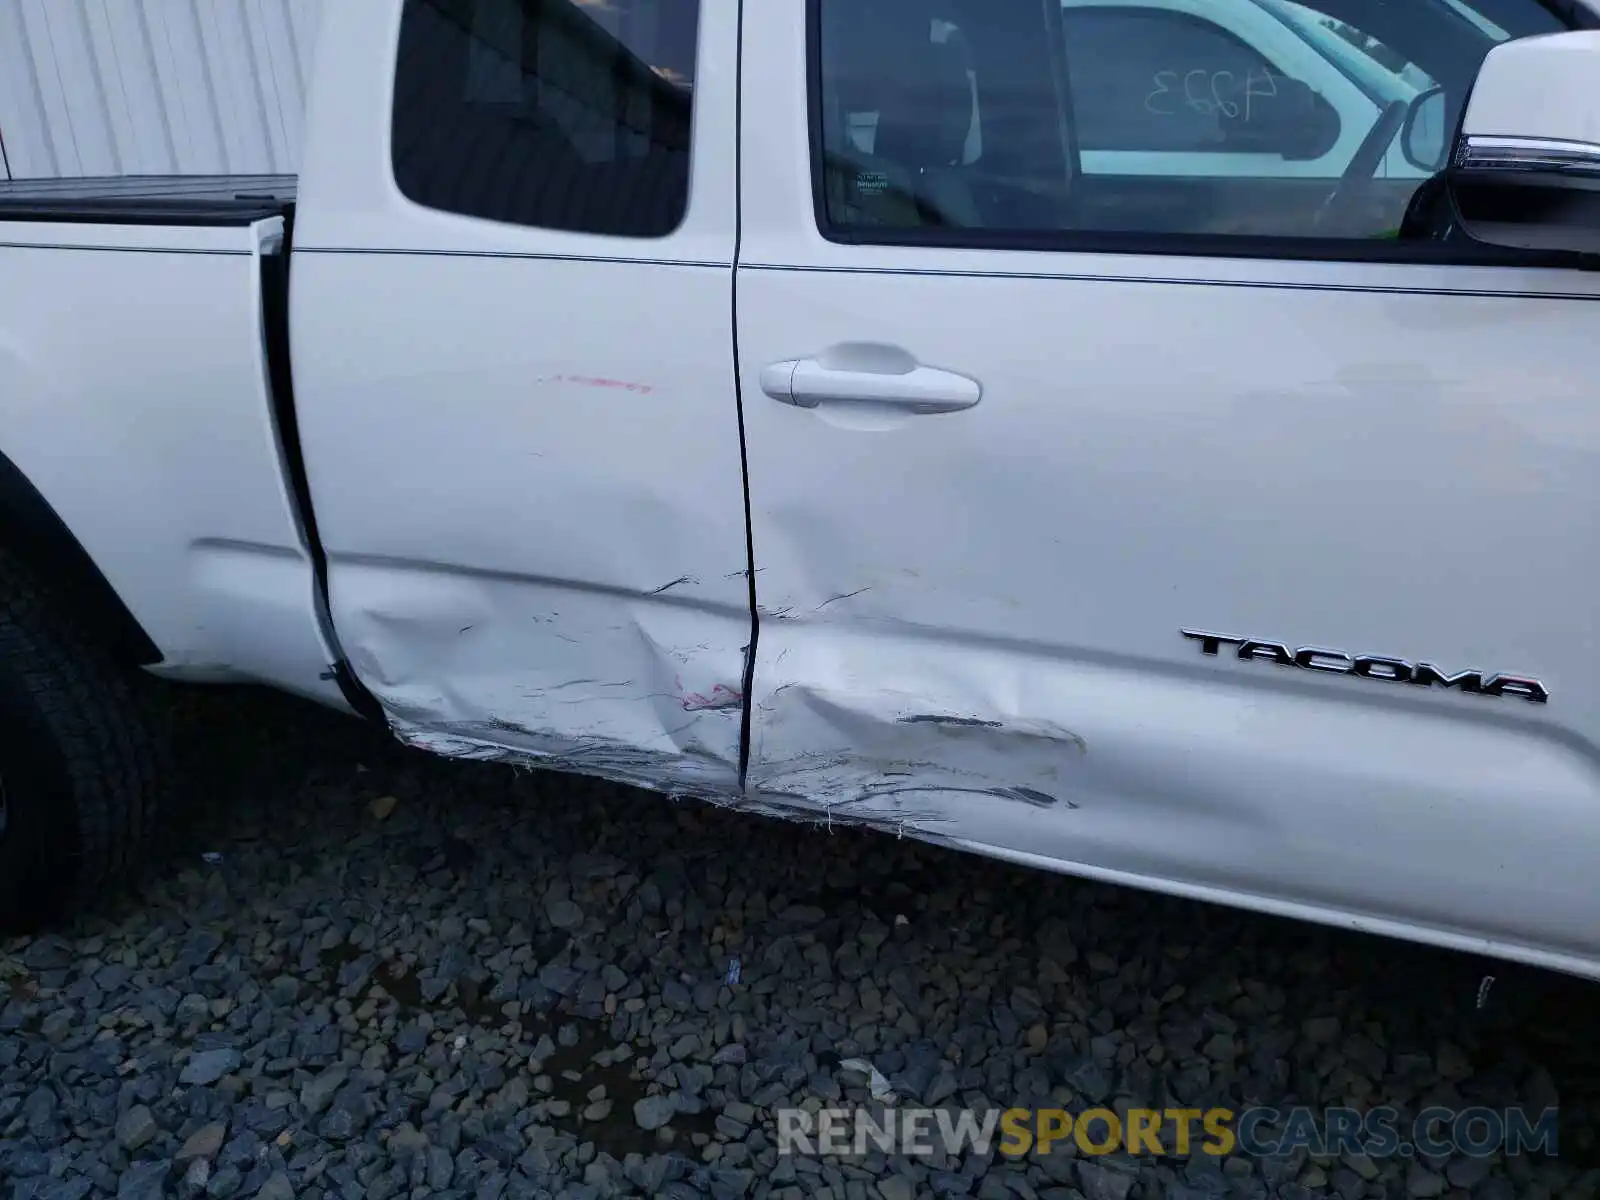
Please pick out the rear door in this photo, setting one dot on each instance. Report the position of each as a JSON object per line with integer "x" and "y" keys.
{"x": 1257, "y": 567}
{"x": 512, "y": 287}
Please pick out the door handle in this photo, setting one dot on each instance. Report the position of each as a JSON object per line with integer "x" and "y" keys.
{"x": 806, "y": 383}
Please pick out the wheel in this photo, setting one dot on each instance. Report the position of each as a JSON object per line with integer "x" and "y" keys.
{"x": 79, "y": 760}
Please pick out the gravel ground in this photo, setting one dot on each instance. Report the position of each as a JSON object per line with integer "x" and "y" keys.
{"x": 369, "y": 973}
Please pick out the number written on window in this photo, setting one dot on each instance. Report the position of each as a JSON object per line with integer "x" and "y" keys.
{"x": 1208, "y": 93}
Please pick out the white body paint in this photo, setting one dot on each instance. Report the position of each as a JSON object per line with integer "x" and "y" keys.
{"x": 1167, "y": 443}
{"x": 523, "y": 451}
{"x": 134, "y": 395}
{"x": 526, "y": 465}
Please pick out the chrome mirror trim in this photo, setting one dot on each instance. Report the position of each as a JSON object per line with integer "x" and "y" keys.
{"x": 1483, "y": 152}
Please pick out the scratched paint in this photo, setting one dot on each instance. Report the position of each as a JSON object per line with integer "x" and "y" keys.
{"x": 639, "y": 689}
{"x": 1087, "y": 766}
{"x": 861, "y": 754}
{"x": 593, "y": 381}
{"x": 720, "y": 698}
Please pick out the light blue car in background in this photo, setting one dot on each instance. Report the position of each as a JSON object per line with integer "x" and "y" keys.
{"x": 1153, "y": 82}
{"x": 1153, "y": 102}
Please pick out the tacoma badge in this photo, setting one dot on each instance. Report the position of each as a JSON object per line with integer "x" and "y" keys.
{"x": 1371, "y": 666}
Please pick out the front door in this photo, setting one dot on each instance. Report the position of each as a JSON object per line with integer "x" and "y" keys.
{"x": 1103, "y": 531}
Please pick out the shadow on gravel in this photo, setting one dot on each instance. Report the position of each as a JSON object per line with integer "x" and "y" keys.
{"x": 572, "y": 1067}
{"x": 244, "y": 749}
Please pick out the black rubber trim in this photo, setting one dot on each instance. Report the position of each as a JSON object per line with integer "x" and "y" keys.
{"x": 34, "y": 531}
{"x": 1276, "y": 285}
{"x": 747, "y": 715}
{"x": 89, "y": 246}
{"x": 607, "y": 259}
{"x": 355, "y": 694}
{"x": 1184, "y": 245}
{"x": 275, "y": 316}
{"x": 229, "y": 214}
{"x": 182, "y": 200}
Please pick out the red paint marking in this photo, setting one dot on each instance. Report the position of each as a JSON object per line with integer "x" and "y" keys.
{"x": 721, "y": 697}
{"x": 640, "y": 389}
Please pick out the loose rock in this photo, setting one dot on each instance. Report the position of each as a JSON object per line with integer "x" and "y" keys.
{"x": 203, "y": 1142}
{"x": 136, "y": 1127}
{"x": 208, "y": 1066}
{"x": 653, "y": 1112}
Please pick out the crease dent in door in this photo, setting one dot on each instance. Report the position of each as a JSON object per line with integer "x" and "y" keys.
{"x": 855, "y": 727}
{"x": 643, "y": 689}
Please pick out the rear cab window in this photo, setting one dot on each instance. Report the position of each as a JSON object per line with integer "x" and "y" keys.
{"x": 559, "y": 114}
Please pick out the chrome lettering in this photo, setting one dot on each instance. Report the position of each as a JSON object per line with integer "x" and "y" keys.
{"x": 1372, "y": 666}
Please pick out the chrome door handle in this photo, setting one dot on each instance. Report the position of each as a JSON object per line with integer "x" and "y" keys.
{"x": 806, "y": 383}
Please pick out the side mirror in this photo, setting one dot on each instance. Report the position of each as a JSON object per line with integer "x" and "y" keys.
{"x": 1275, "y": 114}
{"x": 1424, "y": 138}
{"x": 1526, "y": 168}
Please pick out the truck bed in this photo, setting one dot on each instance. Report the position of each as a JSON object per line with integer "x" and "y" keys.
{"x": 148, "y": 199}
{"x": 150, "y": 315}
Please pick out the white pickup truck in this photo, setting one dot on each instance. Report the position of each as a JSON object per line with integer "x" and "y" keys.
{"x": 766, "y": 403}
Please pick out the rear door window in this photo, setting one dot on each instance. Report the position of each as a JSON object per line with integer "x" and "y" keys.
{"x": 555, "y": 113}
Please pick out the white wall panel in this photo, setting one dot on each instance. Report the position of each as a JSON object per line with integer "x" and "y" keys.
{"x": 154, "y": 87}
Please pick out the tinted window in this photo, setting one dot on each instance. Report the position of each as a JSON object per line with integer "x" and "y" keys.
{"x": 1267, "y": 119}
{"x": 921, "y": 103}
{"x": 566, "y": 114}
{"x": 1150, "y": 80}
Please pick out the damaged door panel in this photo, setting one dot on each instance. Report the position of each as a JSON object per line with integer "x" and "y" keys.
{"x": 1160, "y": 776}
{"x": 973, "y": 617}
{"x": 995, "y": 600}
{"x": 517, "y": 402}
{"x": 636, "y": 688}
{"x": 566, "y": 582}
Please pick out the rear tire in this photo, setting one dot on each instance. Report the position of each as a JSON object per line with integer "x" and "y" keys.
{"x": 79, "y": 761}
